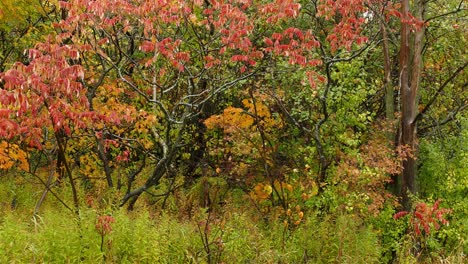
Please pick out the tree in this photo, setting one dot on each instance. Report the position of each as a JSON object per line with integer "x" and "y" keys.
{"x": 180, "y": 58}
{"x": 22, "y": 23}
{"x": 44, "y": 96}
{"x": 174, "y": 64}
{"x": 173, "y": 58}
{"x": 412, "y": 48}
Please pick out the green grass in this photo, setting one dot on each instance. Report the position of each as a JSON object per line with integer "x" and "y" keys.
{"x": 235, "y": 233}
{"x": 59, "y": 237}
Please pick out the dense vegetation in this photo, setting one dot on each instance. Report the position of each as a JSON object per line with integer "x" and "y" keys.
{"x": 233, "y": 131}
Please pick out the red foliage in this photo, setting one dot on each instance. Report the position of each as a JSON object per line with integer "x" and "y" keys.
{"x": 103, "y": 225}
{"x": 46, "y": 92}
{"x": 426, "y": 218}
{"x": 349, "y": 25}
{"x": 49, "y": 91}
{"x": 400, "y": 215}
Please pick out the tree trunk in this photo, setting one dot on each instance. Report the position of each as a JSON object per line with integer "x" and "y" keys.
{"x": 389, "y": 101}
{"x": 389, "y": 98}
{"x": 410, "y": 71}
{"x": 105, "y": 162}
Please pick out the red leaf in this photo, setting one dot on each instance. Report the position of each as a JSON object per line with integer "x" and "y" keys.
{"x": 399, "y": 215}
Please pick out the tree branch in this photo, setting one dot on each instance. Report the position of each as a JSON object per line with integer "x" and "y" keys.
{"x": 459, "y": 8}
{"x": 450, "y": 116}
{"x": 439, "y": 91}
{"x": 50, "y": 190}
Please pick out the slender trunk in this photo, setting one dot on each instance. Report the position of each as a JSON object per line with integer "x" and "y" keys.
{"x": 407, "y": 108}
{"x": 389, "y": 98}
{"x": 105, "y": 161}
{"x": 410, "y": 71}
{"x": 324, "y": 163}
{"x": 46, "y": 190}
{"x": 61, "y": 150}
{"x": 61, "y": 156}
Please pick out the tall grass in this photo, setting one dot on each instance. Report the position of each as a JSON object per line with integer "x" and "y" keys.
{"x": 59, "y": 237}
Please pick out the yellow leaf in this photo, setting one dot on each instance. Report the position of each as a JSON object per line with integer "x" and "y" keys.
{"x": 262, "y": 191}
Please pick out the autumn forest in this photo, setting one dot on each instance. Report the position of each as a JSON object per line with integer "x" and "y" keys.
{"x": 233, "y": 131}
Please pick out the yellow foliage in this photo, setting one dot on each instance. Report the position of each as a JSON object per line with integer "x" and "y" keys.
{"x": 261, "y": 109}
{"x": 263, "y": 113}
{"x": 234, "y": 119}
{"x": 231, "y": 120}
{"x": 283, "y": 186}
{"x": 11, "y": 155}
{"x": 111, "y": 101}
{"x": 90, "y": 167}
{"x": 249, "y": 132}
{"x": 17, "y": 12}
{"x": 262, "y": 191}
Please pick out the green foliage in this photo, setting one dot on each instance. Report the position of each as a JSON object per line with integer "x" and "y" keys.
{"x": 390, "y": 233}
{"x": 207, "y": 192}
{"x": 352, "y": 91}
{"x": 16, "y": 193}
{"x": 242, "y": 151}
{"x": 140, "y": 237}
{"x": 341, "y": 240}
{"x": 444, "y": 166}
{"x": 23, "y": 23}
{"x": 443, "y": 175}
{"x": 18, "y": 13}
{"x": 236, "y": 235}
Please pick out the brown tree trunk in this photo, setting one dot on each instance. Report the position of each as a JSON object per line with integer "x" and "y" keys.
{"x": 410, "y": 71}
{"x": 389, "y": 100}
{"x": 105, "y": 162}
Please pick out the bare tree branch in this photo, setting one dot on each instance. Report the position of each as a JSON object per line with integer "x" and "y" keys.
{"x": 439, "y": 91}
